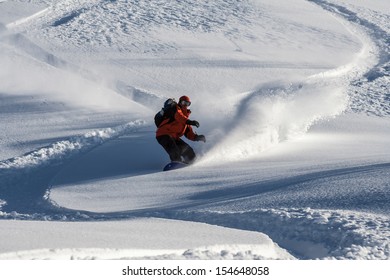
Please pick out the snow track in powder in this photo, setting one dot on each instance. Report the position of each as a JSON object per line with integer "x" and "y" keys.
{"x": 370, "y": 92}
{"x": 37, "y": 168}
{"x": 281, "y": 112}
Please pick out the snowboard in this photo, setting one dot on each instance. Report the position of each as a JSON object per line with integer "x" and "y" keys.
{"x": 174, "y": 165}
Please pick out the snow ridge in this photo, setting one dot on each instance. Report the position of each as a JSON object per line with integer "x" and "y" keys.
{"x": 217, "y": 252}
{"x": 61, "y": 150}
{"x": 24, "y": 181}
{"x": 325, "y": 234}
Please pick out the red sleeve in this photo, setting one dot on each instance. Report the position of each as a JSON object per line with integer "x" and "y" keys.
{"x": 190, "y": 134}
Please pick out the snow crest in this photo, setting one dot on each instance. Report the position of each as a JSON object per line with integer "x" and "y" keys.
{"x": 62, "y": 150}
{"x": 216, "y": 252}
{"x": 311, "y": 233}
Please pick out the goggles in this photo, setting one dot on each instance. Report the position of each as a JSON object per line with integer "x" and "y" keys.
{"x": 185, "y": 103}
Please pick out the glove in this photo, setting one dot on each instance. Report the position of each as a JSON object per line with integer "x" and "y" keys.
{"x": 195, "y": 123}
{"x": 200, "y": 138}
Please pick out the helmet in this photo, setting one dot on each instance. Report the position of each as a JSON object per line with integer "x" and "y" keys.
{"x": 185, "y": 100}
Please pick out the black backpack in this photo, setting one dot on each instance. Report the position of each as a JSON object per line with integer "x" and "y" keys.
{"x": 167, "y": 112}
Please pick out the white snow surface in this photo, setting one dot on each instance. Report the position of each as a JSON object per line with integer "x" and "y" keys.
{"x": 292, "y": 96}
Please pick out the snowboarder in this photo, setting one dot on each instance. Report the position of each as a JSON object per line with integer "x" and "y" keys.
{"x": 171, "y": 129}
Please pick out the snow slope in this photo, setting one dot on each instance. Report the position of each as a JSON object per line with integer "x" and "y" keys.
{"x": 293, "y": 97}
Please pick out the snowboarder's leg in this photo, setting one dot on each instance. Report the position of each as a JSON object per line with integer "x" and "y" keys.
{"x": 170, "y": 146}
{"x": 186, "y": 151}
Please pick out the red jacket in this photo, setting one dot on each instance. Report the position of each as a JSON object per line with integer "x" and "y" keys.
{"x": 178, "y": 127}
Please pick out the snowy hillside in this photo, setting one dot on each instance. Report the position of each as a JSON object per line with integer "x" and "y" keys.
{"x": 292, "y": 96}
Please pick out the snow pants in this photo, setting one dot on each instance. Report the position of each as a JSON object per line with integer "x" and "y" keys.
{"x": 177, "y": 149}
